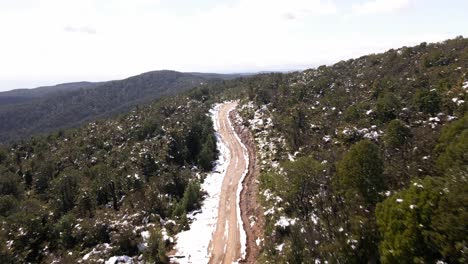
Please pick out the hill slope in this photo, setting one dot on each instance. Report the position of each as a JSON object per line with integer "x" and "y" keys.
{"x": 363, "y": 161}
{"x": 27, "y": 112}
{"x": 25, "y": 95}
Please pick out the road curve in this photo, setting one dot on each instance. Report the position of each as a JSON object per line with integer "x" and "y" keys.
{"x": 225, "y": 244}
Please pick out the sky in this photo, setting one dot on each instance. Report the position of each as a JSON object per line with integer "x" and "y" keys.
{"x": 44, "y": 42}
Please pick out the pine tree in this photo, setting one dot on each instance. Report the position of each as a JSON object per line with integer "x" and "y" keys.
{"x": 360, "y": 173}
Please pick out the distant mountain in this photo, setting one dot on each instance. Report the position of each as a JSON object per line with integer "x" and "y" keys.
{"x": 25, "y": 95}
{"x": 25, "y": 112}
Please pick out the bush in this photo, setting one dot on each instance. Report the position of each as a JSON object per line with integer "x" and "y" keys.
{"x": 427, "y": 101}
{"x": 64, "y": 228}
{"x": 360, "y": 173}
{"x": 453, "y": 145}
{"x": 8, "y": 205}
{"x": 156, "y": 250}
{"x": 126, "y": 242}
{"x": 425, "y": 223}
{"x": 387, "y": 107}
{"x": 397, "y": 134}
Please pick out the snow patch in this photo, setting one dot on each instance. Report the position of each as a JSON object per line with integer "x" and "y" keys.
{"x": 119, "y": 259}
{"x": 285, "y": 222}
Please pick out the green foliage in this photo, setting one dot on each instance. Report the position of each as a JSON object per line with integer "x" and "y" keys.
{"x": 208, "y": 153}
{"x": 10, "y": 184}
{"x": 148, "y": 130}
{"x": 302, "y": 183}
{"x": 141, "y": 166}
{"x": 190, "y": 201}
{"x": 8, "y": 205}
{"x": 397, "y": 134}
{"x": 66, "y": 188}
{"x": 352, "y": 113}
{"x": 156, "y": 249}
{"x": 3, "y": 154}
{"x": 5, "y": 254}
{"x": 427, "y": 101}
{"x": 64, "y": 230}
{"x": 425, "y": 222}
{"x": 32, "y": 230}
{"x": 387, "y": 107}
{"x": 359, "y": 173}
{"x": 453, "y": 146}
{"x": 45, "y": 109}
{"x": 126, "y": 242}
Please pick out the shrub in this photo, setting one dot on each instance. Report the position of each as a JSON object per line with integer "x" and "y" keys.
{"x": 156, "y": 249}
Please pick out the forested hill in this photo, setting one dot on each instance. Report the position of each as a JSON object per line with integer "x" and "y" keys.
{"x": 25, "y": 95}
{"x": 363, "y": 161}
{"x": 28, "y": 112}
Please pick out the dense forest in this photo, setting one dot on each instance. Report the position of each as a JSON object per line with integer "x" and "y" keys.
{"x": 27, "y": 112}
{"x": 361, "y": 161}
{"x": 366, "y": 160}
{"x": 70, "y": 191}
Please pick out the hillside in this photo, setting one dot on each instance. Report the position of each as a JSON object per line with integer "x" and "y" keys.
{"x": 363, "y": 161}
{"x": 25, "y": 95}
{"x": 354, "y": 158}
{"x": 24, "y": 113}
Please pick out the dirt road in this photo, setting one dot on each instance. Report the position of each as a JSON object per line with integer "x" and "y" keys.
{"x": 225, "y": 245}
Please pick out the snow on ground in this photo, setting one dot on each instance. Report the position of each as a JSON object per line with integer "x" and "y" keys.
{"x": 119, "y": 259}
{"x": 243, "y": 234}
{"x": 193, "y": 243}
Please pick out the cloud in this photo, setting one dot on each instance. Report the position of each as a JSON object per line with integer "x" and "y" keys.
{"x": 86, "y": 29}
{"x": 379, "y": 6}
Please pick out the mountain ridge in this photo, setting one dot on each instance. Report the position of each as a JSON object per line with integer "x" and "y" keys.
{"x": 24, "y": 113}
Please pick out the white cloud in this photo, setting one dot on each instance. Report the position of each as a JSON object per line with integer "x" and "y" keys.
{"x": 379, "y": 6}
{"x": 142, "y": 35}
{"x": 132, "y": 38}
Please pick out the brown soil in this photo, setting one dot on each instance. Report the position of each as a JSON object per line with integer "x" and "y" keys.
{"x": 225, "y": 245}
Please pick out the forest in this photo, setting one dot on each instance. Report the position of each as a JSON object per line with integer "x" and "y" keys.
{"x": 363, "y": 161}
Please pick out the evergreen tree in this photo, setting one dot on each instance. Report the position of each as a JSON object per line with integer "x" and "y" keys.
{"x": 427, "y": 101}
{"x": 360, "y": 173}
{"x": 396, "y": 135}
{"x": 156, "y": 249}
{"x": 387, "y": 107}
{"x": 425, "y": 222}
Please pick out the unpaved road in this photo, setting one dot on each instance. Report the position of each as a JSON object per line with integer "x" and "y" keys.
{"x": 225, "y": 244}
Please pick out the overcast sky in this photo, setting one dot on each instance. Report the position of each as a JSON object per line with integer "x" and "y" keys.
{"x": 53, "y": 41}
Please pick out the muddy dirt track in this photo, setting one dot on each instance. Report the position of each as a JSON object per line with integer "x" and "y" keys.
{"x": 226, "y": 242}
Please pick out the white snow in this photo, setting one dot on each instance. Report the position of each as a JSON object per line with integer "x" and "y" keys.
{"x": 280, "y": 247}
{"x": 285, "y": 222}
{"x": 465, "y": 85}
{"x": 119, "y": 259}
{"x": 399, "y": 200}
